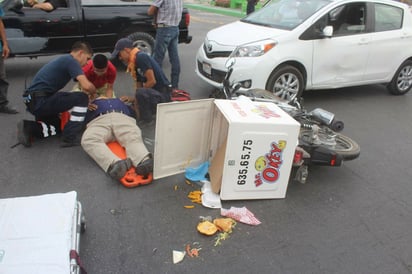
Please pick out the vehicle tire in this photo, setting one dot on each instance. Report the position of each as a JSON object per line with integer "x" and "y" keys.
{"x": 402, "y": 80}
{"x": 347, "y": 147}
{"x": 143, "y": 41}
{"x": 286, "y": 82}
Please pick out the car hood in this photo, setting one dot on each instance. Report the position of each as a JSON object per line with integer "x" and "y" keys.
{"x": 239, "y": 33}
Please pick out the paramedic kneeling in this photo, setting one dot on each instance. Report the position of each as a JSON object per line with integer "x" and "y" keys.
{"x": 152, "y": 85}
{"x": 111, "y": 121}
{"x": 44, "y": 100}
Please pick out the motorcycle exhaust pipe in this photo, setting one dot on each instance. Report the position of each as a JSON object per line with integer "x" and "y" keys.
{"x": 327, "y": 118}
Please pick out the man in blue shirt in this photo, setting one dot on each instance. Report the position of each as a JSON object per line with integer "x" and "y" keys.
{"x": 111, "y": 120}
{"x": 4, "y": 85}
{"x": 152, "y": 86}
{"x": 45, "y": 101}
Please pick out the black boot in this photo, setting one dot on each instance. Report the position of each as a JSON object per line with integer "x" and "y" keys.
{"x": 145, "y": 166}
{"x": 118, "y": 169}
{"x": 25, "y": 132}
{"x": 8, "y": 109}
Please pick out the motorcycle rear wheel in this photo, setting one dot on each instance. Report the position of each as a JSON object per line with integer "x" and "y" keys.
{"x": 345, "y": 146}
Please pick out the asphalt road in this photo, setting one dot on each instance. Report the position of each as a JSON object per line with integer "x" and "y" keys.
{"x": 353, "y": 219}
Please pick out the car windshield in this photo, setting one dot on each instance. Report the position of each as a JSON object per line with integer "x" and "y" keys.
{"x": 285, "y": 14}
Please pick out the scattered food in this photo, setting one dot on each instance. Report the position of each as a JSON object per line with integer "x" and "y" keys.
{"x": 189, "y": 206}
{"x": 207, "y": 228}
{"x": 195, "y": 196}
{"x": 221, "y": 237}
{"x": 224, "y": 224}
{"x": 192, "y": 251}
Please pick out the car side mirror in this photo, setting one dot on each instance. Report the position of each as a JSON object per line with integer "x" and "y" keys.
{"x": 327, "y": 31}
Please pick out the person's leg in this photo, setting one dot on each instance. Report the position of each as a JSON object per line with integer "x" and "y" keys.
{"x": 160, "y": 46}
{"x": 3, "y": 93}
{"x": 74, "y": 102}
{"x": 94, "y": 141}
{"x": 174, "y": 56}
{"x": 4, "y": 86}
{"x": 44, "y": 127}
{"x": 146, "y": 99}
{"x": 129, "y": 136}
{"x": 27, "y": 130}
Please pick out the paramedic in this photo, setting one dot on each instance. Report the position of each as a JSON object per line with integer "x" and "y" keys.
{"x": 152, "y": 86}
{"x": 45, "y": 102}
{"x": 102, "y": 73}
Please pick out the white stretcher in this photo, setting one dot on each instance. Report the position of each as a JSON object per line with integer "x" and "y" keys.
{"x": 41, "y": 234}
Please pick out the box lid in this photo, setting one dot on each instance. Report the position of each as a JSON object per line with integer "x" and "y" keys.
{"x": 244, "y": 110}
{"x": 182, "y": 138}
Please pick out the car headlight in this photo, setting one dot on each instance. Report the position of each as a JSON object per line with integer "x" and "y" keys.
{"x": 254, "y": 50}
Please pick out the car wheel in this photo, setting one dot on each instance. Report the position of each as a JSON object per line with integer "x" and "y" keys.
{"x": 143, "y": 41}
{"x": 402, "y": 80}
{"x": 286, "y": 82}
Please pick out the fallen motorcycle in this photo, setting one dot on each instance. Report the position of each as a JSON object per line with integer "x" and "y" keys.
{"x": 320, "y": 142}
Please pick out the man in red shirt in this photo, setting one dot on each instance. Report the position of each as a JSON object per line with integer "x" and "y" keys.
{"x": 102, "y": 73}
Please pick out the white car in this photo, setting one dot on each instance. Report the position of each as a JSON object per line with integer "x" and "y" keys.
{"x": 293, "y": 45}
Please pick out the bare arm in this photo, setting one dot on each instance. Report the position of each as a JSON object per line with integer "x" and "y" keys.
{"x": 150, "y": 79}
{"x": 44, "y": 6}
{"x": 86, "y": 85}
{"x": 127, "y": 99}
{"x": 152, "y": 10}
{"x": 3, "y": 37}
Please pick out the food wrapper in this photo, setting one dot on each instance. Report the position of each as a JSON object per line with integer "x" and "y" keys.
{"x": 240, "y": 214}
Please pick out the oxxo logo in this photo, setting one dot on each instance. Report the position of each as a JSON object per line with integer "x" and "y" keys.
{"x": 269, "y": 165}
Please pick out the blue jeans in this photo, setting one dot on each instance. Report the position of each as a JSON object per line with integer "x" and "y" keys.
{"x": 167, "y": 38}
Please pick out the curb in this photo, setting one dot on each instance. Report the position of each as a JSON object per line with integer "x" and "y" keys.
{"x": 218, "y": 10}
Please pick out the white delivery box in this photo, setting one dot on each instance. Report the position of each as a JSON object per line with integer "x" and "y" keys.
{"x": 250, "y": 145}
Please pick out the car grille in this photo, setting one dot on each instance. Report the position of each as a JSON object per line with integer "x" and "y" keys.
{"x": 215, "y": 54}
{"x": 216, "y": 76}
